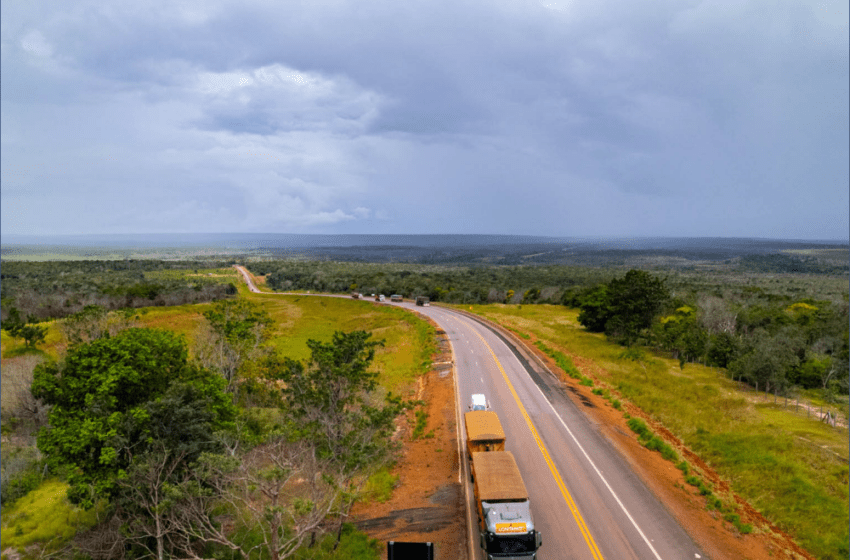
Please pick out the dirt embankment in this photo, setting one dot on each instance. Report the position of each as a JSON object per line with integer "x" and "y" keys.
{"x": 427, "y": 504}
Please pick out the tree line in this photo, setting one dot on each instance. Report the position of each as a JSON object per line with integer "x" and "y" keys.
{"x": 51, "y": 290}
{"x": 767, "y": 340}
{"x": 236, "y": 452}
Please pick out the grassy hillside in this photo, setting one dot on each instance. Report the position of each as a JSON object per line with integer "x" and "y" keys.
{"x": 792, "y": 468}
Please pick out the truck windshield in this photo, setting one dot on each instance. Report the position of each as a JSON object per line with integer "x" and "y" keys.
{"x": 511, "y": 543}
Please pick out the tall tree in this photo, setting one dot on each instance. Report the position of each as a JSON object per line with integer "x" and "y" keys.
{"x": 634, "y": 301}
{"x": 234, "y": 333}
{"x": 113, "y": 397}
{"x": 335, "y": 400}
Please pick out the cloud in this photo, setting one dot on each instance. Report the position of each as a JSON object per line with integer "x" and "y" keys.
{"x": 554, "y": 117}
{"x": 35, "y": 43}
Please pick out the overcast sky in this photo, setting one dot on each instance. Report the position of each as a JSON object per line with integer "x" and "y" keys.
{"x": 564, "y": 118}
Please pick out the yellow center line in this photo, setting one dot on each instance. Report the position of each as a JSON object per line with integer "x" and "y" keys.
{"x": 588, "y": 538}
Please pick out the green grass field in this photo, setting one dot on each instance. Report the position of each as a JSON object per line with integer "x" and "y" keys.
{"x": 792, "y": 468}
{"x": 409, "y": 341}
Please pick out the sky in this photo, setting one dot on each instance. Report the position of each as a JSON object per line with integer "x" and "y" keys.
{"x": 559, "y": 118}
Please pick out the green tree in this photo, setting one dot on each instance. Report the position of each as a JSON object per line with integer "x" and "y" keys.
{"x": 114, "y": 397}
{"x": 86, "y": 325}
{"x": 233, "y": 335}
{"x": 336, "y": 404}
{"x": 681, "y": 334}
{"x": 531, "y": 295}
{"x": 335, "y": 399}
{"x": 633, "y": 302}
{"x": 18, "y": 328}
{"x": 595, "y": 308}
{"x": 722, "y": 349}
{"x": 768, "y": 359}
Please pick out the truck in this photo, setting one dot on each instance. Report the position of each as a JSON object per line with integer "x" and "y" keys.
{"x": 396, "y": 297}
{"x": 504, "y": 512}
{"x": 380, "y": 297}
{"x": 483, "y": 432}
{"x": 355, "y": 295}
{"x": 422, "y": 300}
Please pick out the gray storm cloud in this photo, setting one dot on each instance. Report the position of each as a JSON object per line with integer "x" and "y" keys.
{"x": 553, "y": 118}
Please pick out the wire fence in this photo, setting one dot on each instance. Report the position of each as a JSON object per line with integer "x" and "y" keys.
{"x": 834, "y": 415}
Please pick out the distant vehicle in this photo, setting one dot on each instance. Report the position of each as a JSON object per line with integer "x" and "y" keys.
{"x": 355, "y": 295}
{"x": 422, "y": 300}
{"x": 380, "y": 297}
{"x": 396, "y": 297}
{"x": 479, "y": 402}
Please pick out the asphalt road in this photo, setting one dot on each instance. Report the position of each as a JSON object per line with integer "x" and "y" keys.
{"x": 585, "y": 500}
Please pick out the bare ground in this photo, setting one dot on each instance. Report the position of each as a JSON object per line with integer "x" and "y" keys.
{"x": 427, "y": 504}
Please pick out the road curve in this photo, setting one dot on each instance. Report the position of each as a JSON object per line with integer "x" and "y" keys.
{"x": 586, "y": 501}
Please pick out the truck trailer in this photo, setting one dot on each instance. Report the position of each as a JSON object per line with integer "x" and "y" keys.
{"x": 504, "y": 513}
{"x": 483, "y": 432}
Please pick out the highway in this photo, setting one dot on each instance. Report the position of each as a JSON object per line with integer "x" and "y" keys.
{"x": 586, "y": 501}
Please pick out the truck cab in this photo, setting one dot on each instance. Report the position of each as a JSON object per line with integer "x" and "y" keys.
{"x": 506, "y": 526}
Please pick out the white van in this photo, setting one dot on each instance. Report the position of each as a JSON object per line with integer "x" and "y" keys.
{"x": 479, "y": 402}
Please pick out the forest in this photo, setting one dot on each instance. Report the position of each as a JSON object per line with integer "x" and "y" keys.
{"x": 52, "y": 290}
{"x": 777, "y": 330}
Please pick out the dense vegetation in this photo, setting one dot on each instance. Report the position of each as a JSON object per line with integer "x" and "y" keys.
{"x": 51, "y": 290}
{"x": 172, "y": 453}
{"x": 768, "y": 340}
{"x": 777, "y": 331}
{"x": 453, "y": 284}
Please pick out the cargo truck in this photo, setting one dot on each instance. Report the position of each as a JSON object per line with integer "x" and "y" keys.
{"x": 422, "y": 300}
{"x": 483, "y": 432}
{"x": 504, "y": 513}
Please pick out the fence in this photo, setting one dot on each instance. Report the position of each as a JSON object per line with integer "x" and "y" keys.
{"x": 835, "y": 416}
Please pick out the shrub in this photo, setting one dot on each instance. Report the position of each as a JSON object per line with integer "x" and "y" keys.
{"x": 20, "y": 485}
{"x": 419, "y": 427}
{"x": 733, "y": 518}
{"x": 639, "y": 427}
{"x": 380, "y": 486}
{"x": 44, "y": 516}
